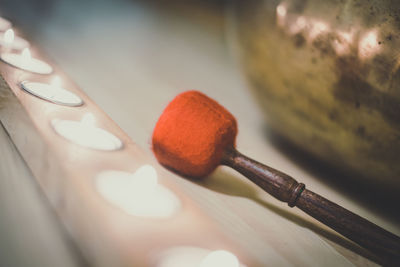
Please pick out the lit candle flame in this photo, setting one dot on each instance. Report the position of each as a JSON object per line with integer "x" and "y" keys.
{"x": 144, "y": 181}
{"x": 9, "y": 36}
{"x": 88, "y": 120}
{"x": 56, "y": 82}
{"x": 26, "y": 56}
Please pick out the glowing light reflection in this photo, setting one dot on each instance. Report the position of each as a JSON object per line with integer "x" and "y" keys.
{"x": 281, "y": 12}
{"x": 138, "y": 194}
{"x": 343, "y": 42}
{"x": 298, "y": 25}
{"x": 317, "y": 28}
{"x": 368, "y": 45}
{"x": 342, "y": 45}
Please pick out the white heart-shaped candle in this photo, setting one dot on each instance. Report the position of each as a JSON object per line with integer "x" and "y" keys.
{"x": 86, "y": 134}
{"x": 187, "y": 256}
{"x": 25, "y": 61}
{"x": 52, "y": 93}
{"x": 137, "y": 194}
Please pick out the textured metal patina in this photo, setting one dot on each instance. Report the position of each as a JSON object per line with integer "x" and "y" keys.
{"x": 327, "y": 75}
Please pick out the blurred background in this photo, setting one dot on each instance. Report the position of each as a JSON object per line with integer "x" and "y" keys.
{"x": 314, "y": 87}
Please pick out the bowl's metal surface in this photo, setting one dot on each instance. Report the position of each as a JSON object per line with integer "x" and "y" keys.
{"x": 327, "y": 75}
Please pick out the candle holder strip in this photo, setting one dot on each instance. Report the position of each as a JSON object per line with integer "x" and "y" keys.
{"x": 66, "y": 173}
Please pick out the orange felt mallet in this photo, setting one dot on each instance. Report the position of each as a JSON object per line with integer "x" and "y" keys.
{"x": 195, "y": 134}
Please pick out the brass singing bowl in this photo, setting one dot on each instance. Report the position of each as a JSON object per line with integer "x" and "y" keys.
{"x": 327, "y": 76}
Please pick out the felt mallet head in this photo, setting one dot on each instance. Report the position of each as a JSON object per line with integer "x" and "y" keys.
{"x": 192, "y": 134}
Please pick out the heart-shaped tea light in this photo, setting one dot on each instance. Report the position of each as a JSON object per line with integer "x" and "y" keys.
{"x": 25, "y": 61}
{"x": 52, "y": 92}
{"x": 186, "y": 256}
{"x": 138, "y": 193}
{"x": 85, "y": 133}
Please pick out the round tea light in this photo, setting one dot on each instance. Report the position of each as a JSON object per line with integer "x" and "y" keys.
{"x": 86, "y": 134}
{"x": 4, "y": 24}
{"x": 138, "y": 194}
{"x": 9, "y": 40}
{"x": 52, "y": 93}
{"x": 187, "y": 256}
{"x": 24, "y": 61}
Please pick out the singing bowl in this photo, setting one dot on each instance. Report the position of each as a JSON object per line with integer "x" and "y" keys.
{"x": 327, "y": 76}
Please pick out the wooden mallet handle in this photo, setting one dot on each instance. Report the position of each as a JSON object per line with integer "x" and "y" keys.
{"x": 343, "y": 221}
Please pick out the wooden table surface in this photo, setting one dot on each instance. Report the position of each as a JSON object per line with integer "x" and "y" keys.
{"x": 131, "y": 60}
